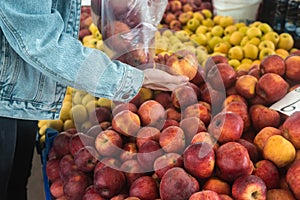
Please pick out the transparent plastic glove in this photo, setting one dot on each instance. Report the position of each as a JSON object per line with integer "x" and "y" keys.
{"x": 157, "y": 79}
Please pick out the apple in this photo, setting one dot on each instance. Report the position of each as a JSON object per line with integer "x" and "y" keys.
{"x": 199, "y": 160}
{"x": 204, "y": 136}
{"x": 107, "y": 161}
{"x": 168, "y": 17}
{"x": 170, "y": 122}
{"x": 175, "y": 5}
{"x": 100, "y": 114}
{"x": 184, "y": 17}
{"x": 173, "y": 113}
{"x": 255, "y": 71}
{"x": 152, "y": 113}
{"x": 233, "y": 98}
{"x": 263, "y": 135}
{"x": 226, "y": 126}
{"x": 129, "y": 151}
{"x": 225, "y": 197}
{"x": 183, "y": 62}
{"x": 147, "y": 133}
{"x": 271, "y": 94}
{"x": 148, "y": 153}
{"x": 217, "y": 185}
{"x": 75, "y": 185}
{"x": 205, "y": 194}
{"x": 253, "y": 150}
{"x": 175, "y": 25}
{"x": 93, "y": 131}
{"x": 249, "y": 187}
{"x": 262, "y": 116}
{"x": 198, "y": 110}
{"x": 273, "y": 64}
{"x": 183, "y": 96}
{"x": 108, "y": 143}
{"x": 268, "y": 172}
{"x": 61, "y": 143}
{"x": 91, "y": 194}
{"x": 86, "y": 158}
{"x": 240, "y": 108}
{"x": 164, "y": 98}
{"x": 292, "y": 71}
{"x": 126, "y": 123}
{"x": 233, "y": 161}
{"x": 165, "y": 162}
{"x": 245, "y": 86}
{"x": 67, "y": 166}
{"x": 279, "y": 193}
{"x": 172, "y": 139}
{"x": 124, "y": 106}
{"x": 57, "y": 188}
{"x": 144, "y": 187}
{"x": 132, "y": 170}
{"x": 108, "y": 181}
{"x": 52, "y": 169}
{"x": 79, "y": 140}
{"x": 291, "y": 127}
{"x": 213, "y": 60}
{"x": 191, "y": 126}
{"x": 122, "y": 197}
{"x": 177, "y": 184}
{"x": 221, "y": 76}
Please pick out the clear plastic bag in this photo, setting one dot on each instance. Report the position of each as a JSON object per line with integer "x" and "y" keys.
{"x": 128, "y": 28}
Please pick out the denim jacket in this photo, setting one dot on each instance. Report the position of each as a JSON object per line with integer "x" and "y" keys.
{"x": 40, "y": 55}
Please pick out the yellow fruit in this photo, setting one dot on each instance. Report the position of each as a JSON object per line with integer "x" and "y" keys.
{"x": 199, "y": 39}
{"x": 279, "y": 150}
{"x": 250, "y": 51}
{"x": 79, "y": 113}
{"x": 167, "y": 33}
{"x": 56, "y": 124}
{"x": 198, "y": 16}
{"x": 192, "y": 24}
{"x": 236, "y": 38}
{"x": 234, "y": 63}
{"x": 87, "y": 38}
{"x": 293, "y": 50}
{"x": 85, "y": 126}
{"x": 282, "y": 53}
{"x": 244, "y": 41}
{"x": 65, "y": 113}
{"x": 104, "y": 102}
{"x": 254, "y": 41}
{"x": 100, "y": 45}
{"x": 213, "y": 41}
{"x": 272, "y": 36}
{"x": 286, "y": 41}
{"x": 217, "y": 30}
{"x": 67, "y": 98}
{"x": 217, "y": 19}
{"x": 42, "y": 130}
{"x": 146, "y": 94}
{"x": 243, "y": 67}
{"x": 230, "y": 29}
{"x": 201, "y": 29}
{"x": 68, "y": 124}
{"x": 207, "y": 13}
{"x": 77, "y": 97}
{"x": 93, "y": 28}
{"x": 240, "y": 24}
{"x": 42, "y": 138}
{"x": 236, "y": 52}
{"x": 42, "y": 123}
{"x": 91, "y": 106}
{"x": 208, "y": 22}
{"x": 266, "y": 44}
{"x": 222, "y": 47}
{"x": 265, "y": 52}
{"x": 226, "y": 21}
{"x": 253, "y": 32}
{"x": 256, "y": 62}
{"x": 87, "y": 98}
{"x": 265, "y": 28}
{"x": 246, "y": 60}
{"x": 255, "y": 24}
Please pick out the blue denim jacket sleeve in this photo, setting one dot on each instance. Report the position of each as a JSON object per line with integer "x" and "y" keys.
{"x": 37, "y": 32}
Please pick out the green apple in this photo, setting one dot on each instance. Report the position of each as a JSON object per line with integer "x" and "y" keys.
{"x": 226, "y": 21}
{"x": 208, "y": 22}
{"x": 244, "y": 41}
{"x": 199, "y": 39}
{"x": 199, "y": 16}
{"x": 265, "y": 28}
{"x": 201, "y": 29}
{"x": 182, "y": 35}
{"x": 234, "y": 63}
{"x": 254, "y": 41}
{"x": 266, "y": 44}
{"x": 213, "y": 41}
{"x": 207, "y": 13}
{"x": 250, "y": 51}
{"x": 236, "y": 38}
{"x": 243, "y": 29}
{"x": 272, "y": 36}
{"x": 265, "y": 52}
{"x": 286, "y": 41}
{"x": 176, "y": 47}
{"x": 192, "y": 24}
{"x": 217, "y": 30}
{"x": 253, "y": 32}
{"x": 230, "y": 29}
{"x": 222, "y": 47}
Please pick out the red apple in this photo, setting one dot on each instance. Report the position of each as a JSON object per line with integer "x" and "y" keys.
{"x": 61, "y": 143}
{"x": 79, "y": 140}
{"x": 74, "y": 187}
{"x": 273, "y": 64}
{"x": 233, "y": 161}
{"x": 253, "y": 150}
{"x": 86, "y": 158}
{"x": 292, "y": 71}
{"x": 172, "y": 139}
{"x": 268, "y": 172}
{"x": 226, "y": 127}
{"x": 129, "y": 151}
{"x": 205, "y": 194}
{"x": 52, "y": 169}
{"x": 126, "y": 123}
{"x": 291, "y": 129}
{"x": 67, "y": 166}
{"x": 249, "y": 187}
{"x": 164, "y": 98}
{"x": 165, "y": 162}
{"x": 198, "y": 110}
{"x": 191, "y": 126}
{"x": 124, "y": 106}
{"x": 183, "y": 97}
{"x": 170, "y": 122}
{"x": 217, "y": 185}
{"x": 245, "y": 86}
{"x": 144, "y": 187}
{"x": 177, "y": 184}
{"x": 108, "y": 143}
{"x": 152, "y": 113}
{"x": 147, "y": 133}
{"x": 57, "y": 188}
{"x": 293, "y": 178}
{"x": 132, "y": 170}
{"x": 278, "y": 194}
{"x": 91, "y": 194}
{"x": 100, "y": 114}
{"x": 108, "y": 181}
{"x": 204, "y": 136}
{"x": 173, "y": 113}
{"x": 199, "y": 160}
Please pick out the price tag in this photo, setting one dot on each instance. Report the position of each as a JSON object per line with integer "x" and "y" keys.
{"x": 288, "y": 104}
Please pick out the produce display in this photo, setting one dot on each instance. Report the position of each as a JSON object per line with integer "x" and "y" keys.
{"x": 214, "y": 138}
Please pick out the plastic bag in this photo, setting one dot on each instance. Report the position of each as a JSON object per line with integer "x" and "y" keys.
{"x": 128, "y": 28}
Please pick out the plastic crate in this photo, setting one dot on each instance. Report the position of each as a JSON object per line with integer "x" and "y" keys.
{"x": 50, "y": 135}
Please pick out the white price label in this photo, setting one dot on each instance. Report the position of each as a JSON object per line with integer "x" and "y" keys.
{"x": 288, "y": 104}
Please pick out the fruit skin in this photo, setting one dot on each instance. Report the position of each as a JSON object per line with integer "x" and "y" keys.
{"x": 61, "y": 144}
{"x": 177, "y": 184}
{"x": 245, "y": 85}
{"x": 199, "y": 160}
{"x": 279, "y": 150}
{"x": 147, "y": 133}
{"x": 263, "y": 135}
{"x": 291, "y": 129}
{"x": 108, "y": 143}
{"x": 217, "y": 185}
{"x": 91, "y": 194}
{"x": 144, "y": 187}
{"x": 75, "y": 185}
{"x": 167, "y": 161}
{"x": 293, "y": 178}
{"x": 126, "y": 123}
{"x": 86, "y": 158}
{"x": 271, "y": 94}
{"x": 292, "y": 71}
{"x": 278, "y": 194}
{"x": 205, "y": 194}
{"x": 268, "y": 172}
{"x": 172, "y": 139}
{"x": 249, "y": 187}
{"x": 273, "y": 64}
{"x": 226, "y": 127}
{"x": 183, "y": 96}
{"x": 191, "y": 126}
{"x": 286, "y": 41}
{"x": 233, "y": 161}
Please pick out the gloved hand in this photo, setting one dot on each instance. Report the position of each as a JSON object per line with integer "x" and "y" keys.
{"x": 157, "y": 79}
